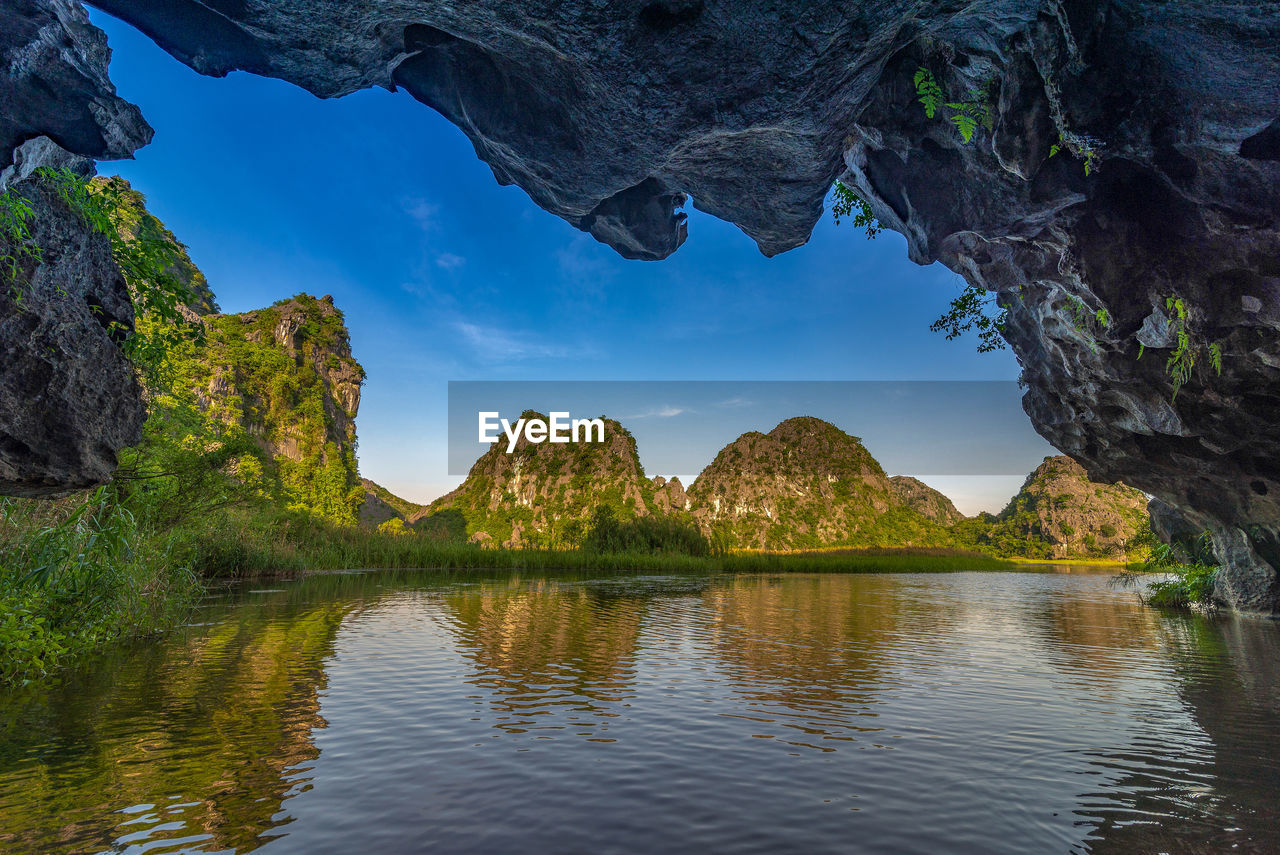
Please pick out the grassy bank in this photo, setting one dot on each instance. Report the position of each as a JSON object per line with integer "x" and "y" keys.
{"x": 242, "y": 543}
{"x": 77, "y": 574}
{"x": 83, "y": 572}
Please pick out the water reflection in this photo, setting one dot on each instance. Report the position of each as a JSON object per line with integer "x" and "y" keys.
{"x": 549, "y": 656}
{"x": 916, "y": 713}
{"x": 1216, "y": 789}
{"x": 198, "y": 741}
{"x": 804, "y": 654}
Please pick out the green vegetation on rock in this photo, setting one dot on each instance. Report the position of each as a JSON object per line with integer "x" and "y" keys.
{"x": 805, "y": 485}
{"x": 1059, "y": 514}
{"x": 542, "y": 495}
{"x": 284, "y": 379}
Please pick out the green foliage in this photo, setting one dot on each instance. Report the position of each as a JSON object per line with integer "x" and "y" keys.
{"x": 188, "y": 466}
{"x": 268, "y": 393}
{"x": 1084, "y": 321}
{"x": 15, "y": 231}
{"x": 847, "y": 203}
{"x": 75, "y": 575}
{"x": 147, "y": 262}
{"x": 1186, "y": 350}
{"x": 643, "y": 535}
{"x": 394, "y": 526}
{"x": 974, "y": 112}
{"x": 929, "y": 91}
{"x": 1192, "y": 584}
{"x": 968, "y": 312}
{"x": 1084, "y": 148}
{"x": 265, "y": 540}
{"x": 1188, "y": 564}
{"x": 966, "y": 115}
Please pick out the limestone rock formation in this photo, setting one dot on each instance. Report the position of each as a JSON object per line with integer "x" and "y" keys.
{"x": 608, "y": 114}
{"x": 286, "y": 376}
{"x": 804, "y": 484}
{"x": 1059, "y": 513}
{"x": 670, "y": 496}
{"x": 924, "y": 500}
{"x": 54, "y": 84}
{"x": 542, "y": 494}
{"x": 381, "y": 505}
{"x": 68, "y": 396}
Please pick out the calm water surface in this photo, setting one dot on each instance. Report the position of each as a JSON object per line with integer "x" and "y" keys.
{"x": 991, "y": 713}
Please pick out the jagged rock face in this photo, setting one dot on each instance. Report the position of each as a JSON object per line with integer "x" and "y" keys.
{"x": 1184, "y": 204}
{"x": 68, "y": 396}
{"x": 924, "y": 500}
{"x": 54, "y": 83}
{"x": 670, "y": 496}
{"x": 608, "y": 113}
{"x": 297, "y": 344}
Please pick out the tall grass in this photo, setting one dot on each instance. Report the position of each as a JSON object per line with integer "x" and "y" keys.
{"x": 80, "y": 573}
{"x": 256, "y": 542}
{"x": 76, "y": 574}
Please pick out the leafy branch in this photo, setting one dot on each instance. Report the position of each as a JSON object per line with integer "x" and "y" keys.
{"x": 1182, "y": 361}
{"x": 850, "y": 204}
{"x": 968, "y": 312}
{"x": 929, "y": 91}
{"x": 1083, "y": 320}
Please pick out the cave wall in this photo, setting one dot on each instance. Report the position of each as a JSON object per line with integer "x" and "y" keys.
{"x": 68, "y": 395}
{"x": 611, "y": 115}
{"x": 1184, "y": 203}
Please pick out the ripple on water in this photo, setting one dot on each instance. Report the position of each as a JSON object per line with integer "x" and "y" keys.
{"x": 910, "y": 713}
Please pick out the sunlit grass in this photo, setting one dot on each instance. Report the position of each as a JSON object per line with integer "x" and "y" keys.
{"x": 248, "y": 543}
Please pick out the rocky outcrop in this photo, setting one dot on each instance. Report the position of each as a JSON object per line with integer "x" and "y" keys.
{"x": 542, "y": 494}
{"x": 670, "y": 496}
{"x": 285, "y": 374}
{"x": 68, "y": 396}
{"x": 1060, "y": 514}
{"x": 924, "y": 500}
{"x": 804, "y": 484}
{"x": 381, "y": 505}
{"x": 1180, "y": 208}
{"x": 54, "y": 84}
{"x": 609, "y": 113}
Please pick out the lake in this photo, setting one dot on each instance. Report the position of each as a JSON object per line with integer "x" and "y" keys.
{"x": 916, "y": 713}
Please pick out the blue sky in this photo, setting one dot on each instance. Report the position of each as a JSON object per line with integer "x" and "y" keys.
{"x": 444, "y": 275}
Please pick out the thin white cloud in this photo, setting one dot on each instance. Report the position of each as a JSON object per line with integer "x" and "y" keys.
{"x": 735, "y": 403}
{"x": 449, "y": 261}
{"x": 666, "y": 411}
{"x": 494, "y": 344}
{"x": 426, "y": 215}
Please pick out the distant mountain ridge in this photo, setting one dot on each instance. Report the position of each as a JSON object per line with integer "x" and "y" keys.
{"x": 806, "y": 484}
